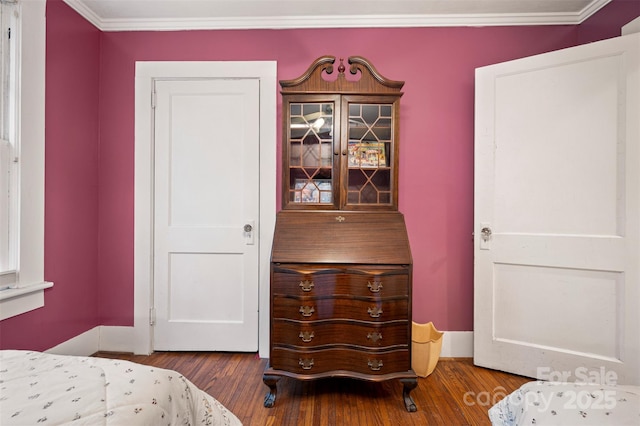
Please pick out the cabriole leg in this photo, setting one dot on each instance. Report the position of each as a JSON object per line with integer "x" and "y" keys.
{"x": 271, "y": 381}
{"x": 408, "y": 386}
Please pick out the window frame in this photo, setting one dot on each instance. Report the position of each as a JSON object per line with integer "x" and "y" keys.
{"x": 30, "y": 43}
{"x": 9, "y": 219}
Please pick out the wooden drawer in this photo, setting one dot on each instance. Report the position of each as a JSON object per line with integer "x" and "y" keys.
{"x": 313, "y": 334}
{"x": 340, "y": 360}
{"x": 361, "y": 281}
{"x": 313, "y": 309}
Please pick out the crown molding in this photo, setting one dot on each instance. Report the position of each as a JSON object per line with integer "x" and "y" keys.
{"x": 591, "y": 8}
{"x": 335, "y": 21}
{"x": 86, "y": 12}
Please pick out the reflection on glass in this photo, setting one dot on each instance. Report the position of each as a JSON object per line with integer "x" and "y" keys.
{"x": 311, "y": 152}
{"x": 370, "y": 143}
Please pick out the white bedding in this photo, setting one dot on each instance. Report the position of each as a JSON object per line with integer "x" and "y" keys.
{"x": 554, "y": 403}
{"x": 38, "y": 388}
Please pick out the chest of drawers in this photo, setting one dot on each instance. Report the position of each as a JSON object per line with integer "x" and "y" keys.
{"x": 340, "y": 299}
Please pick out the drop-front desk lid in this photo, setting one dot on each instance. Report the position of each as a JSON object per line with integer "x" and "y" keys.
{"x": 341, "y": 237}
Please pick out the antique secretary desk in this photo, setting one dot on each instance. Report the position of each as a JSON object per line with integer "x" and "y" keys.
{"x": 341, "y": 266}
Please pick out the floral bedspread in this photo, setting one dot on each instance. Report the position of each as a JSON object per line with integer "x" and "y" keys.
{"x": 38, "y": 388}
{"x": 559, "y": 403}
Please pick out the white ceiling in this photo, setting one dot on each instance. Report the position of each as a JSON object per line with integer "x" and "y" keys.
{"x": 125, "y": 15}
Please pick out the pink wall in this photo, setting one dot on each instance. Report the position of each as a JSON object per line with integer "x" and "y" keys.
{"x": 90, "y": 146}
{"x": 608, "y": 21}
{"x": 71, "y": 188}
{"x": 436, "y": 177}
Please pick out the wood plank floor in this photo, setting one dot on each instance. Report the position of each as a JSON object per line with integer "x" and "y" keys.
{"x": 456, "y": 393}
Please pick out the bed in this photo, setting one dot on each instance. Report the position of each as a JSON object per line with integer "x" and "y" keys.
{"x": 40, "y": 388}
{"x": 554, "y": 403}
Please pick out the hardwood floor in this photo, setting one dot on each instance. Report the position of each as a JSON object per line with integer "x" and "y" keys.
{"x": 456, "y": 393}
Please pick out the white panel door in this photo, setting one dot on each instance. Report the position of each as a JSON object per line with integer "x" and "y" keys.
{"x": 206, "y": 215}
{"x": 557, "y": 192}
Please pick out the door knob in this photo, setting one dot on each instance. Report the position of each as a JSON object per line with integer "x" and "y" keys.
{"x": 485, "y": 233}
{"x": 249, "y": 238}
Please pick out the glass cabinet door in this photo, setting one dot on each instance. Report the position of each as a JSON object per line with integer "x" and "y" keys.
{"x": 340, "y": 138}
{"x": 311, "y": 153}
{"x": 370, "y": 146}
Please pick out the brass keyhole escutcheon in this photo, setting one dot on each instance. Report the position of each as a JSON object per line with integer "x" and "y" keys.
{"x": 375, "y": 364}
{"x": 306, "y": 285}
{"x": 375, "y": 286}
{"x": 375, "y": 336}
{"x": 306, "y": 336}
{"x": 374, "y": 312}
{"x": 307, "y": 311}
{"x": 306, "y": 363}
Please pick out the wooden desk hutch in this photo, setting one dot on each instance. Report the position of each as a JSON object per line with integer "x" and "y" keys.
{"x": 341, "y": 266}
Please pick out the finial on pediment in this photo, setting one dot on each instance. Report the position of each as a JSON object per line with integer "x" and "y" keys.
{"x": 314, "y": 80}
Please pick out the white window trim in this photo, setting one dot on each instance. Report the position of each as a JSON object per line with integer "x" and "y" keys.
{"x": 30, "y": 286}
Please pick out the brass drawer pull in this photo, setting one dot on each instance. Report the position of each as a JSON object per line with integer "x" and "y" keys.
{"x": 374, "y": 312}
{"x": 306, "y": 336}
{"x": 375, "y": 364}
{"x": 375, "y": 336}
{"x": 306, "y": 363}
{"x": 307, "y": 311}
{"x": 375, "y": 286}
{"x": 307, "y": 285}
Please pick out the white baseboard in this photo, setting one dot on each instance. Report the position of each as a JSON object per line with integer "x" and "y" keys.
{"x": 84, "y": 344}
{"x": 455, "y": 344}
{"x": 100, "y": 338}
{"x": 117, "y": 339}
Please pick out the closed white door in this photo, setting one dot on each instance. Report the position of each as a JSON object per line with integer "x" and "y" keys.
{"x": 206, "y": 214}
{"x": 557, "y": 214}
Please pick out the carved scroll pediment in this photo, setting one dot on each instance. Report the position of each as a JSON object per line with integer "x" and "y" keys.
{"x": 320, "y": 78}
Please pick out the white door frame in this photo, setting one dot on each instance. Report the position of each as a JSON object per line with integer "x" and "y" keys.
{"x": 145, "y": 74}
